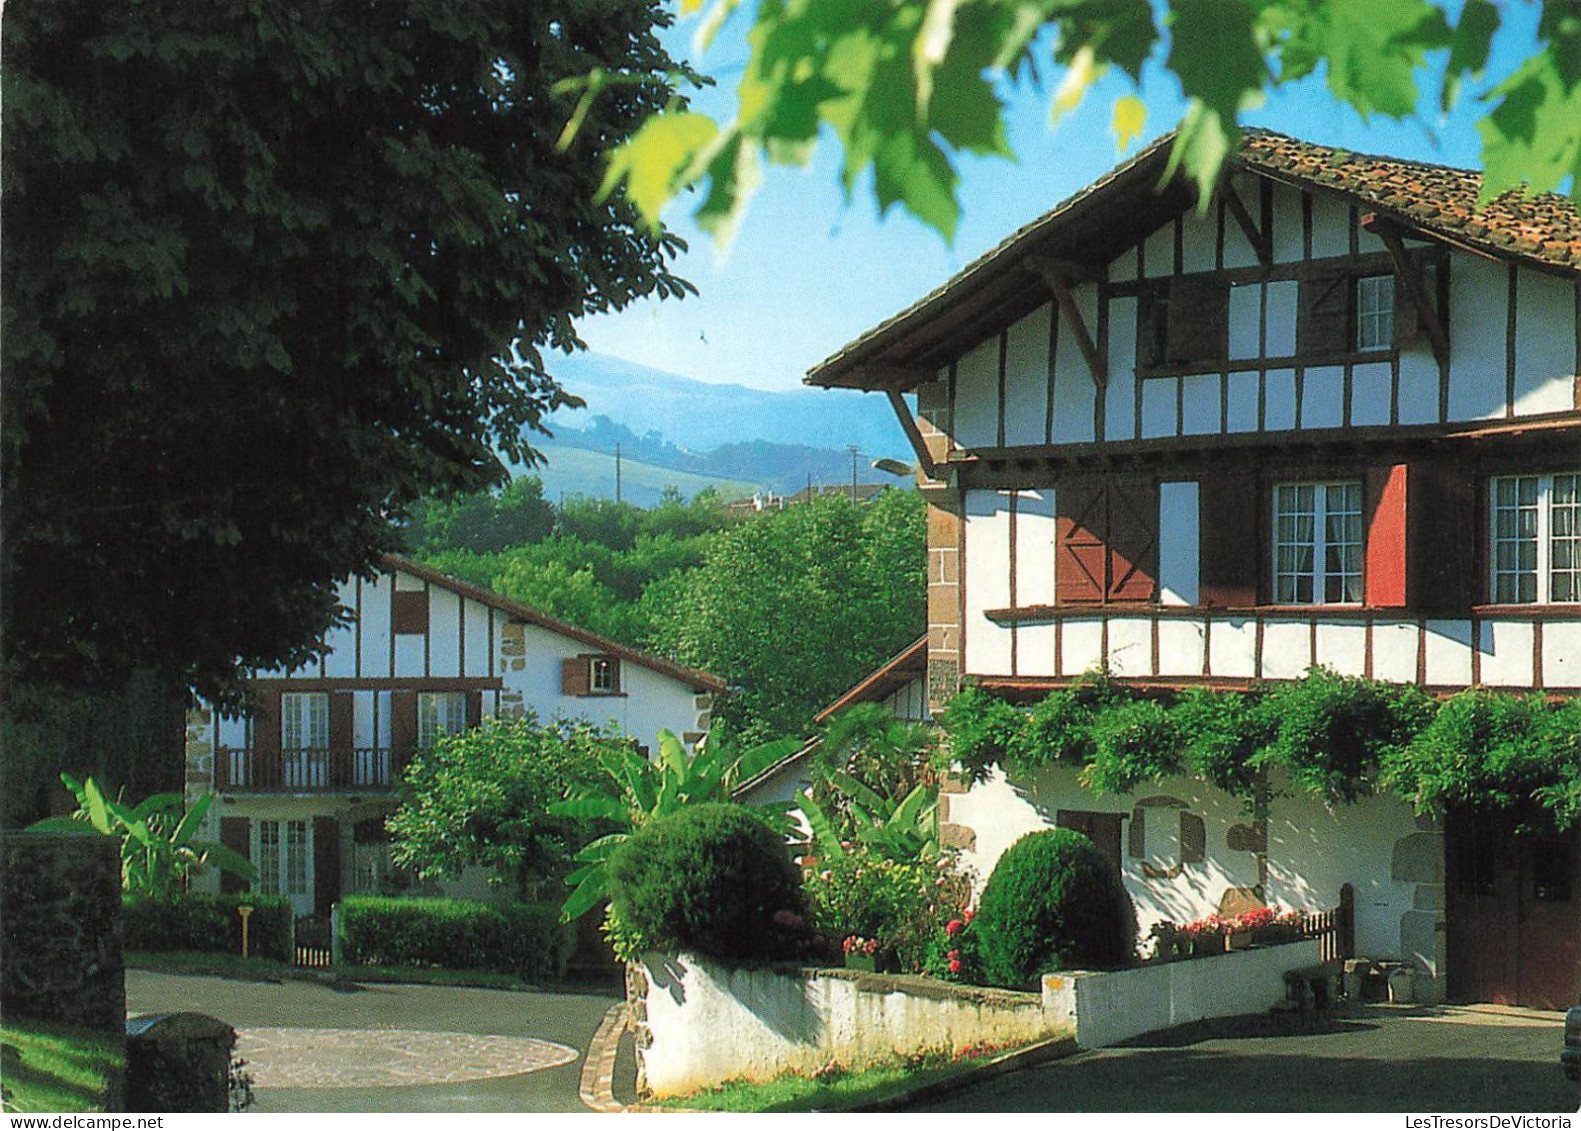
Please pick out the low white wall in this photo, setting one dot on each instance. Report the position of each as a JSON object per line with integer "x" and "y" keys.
{"x": 701, "y": 1023}
{"x": 1106, "y": 1008}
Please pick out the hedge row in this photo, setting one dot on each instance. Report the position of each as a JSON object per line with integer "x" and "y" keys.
{"x": 526, "y": 939}
{"x": 208, "y": 922}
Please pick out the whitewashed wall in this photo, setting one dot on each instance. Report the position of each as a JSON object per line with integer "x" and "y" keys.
{"x": 1057, "y": 403}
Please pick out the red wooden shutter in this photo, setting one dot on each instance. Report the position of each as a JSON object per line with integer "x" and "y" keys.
{"x": 574, "y": 673}
{"x": 1324, "y": 323}
{"x": 326, "y": 864}
{"x": 403, "y": 727}
{"x": 1079, "y": 571}
{"x": 1132, "y": 540}
{"x": 1384, "y": 574}
{"x": 474, "y": 709}
{"x": 1443, "y": 534}
{"x": 236, "y": 835}
{"x": 1232, "y": 552}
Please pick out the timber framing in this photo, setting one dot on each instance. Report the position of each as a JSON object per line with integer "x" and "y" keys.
{"x": 908, "y": 425}
{"x": 1410, "y": 277}
{"x": 1059, "y": 285}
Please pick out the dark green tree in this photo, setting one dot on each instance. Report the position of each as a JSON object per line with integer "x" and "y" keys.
{"x": 796, "y": 606}
{"x": 273, "y": 272}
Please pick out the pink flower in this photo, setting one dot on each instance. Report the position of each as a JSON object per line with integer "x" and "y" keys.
{"x": 952, "y": 926}
{"x": 968, "y": 914}
{"x": 955, "y": 966}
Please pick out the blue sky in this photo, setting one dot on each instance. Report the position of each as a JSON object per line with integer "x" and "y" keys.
{"x": 809, "y": 271}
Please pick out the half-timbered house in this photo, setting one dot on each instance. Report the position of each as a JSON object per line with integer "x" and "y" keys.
{"x": 1331, "y": 418}
{"x": 306, "y": 777}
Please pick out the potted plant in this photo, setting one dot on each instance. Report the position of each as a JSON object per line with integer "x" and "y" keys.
{"x": 1206, "y": 936}
{"x": 1170, "y": 943}
{"x": 1252, "y": 928}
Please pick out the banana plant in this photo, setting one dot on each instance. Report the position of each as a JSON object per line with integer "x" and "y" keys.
{"x": 159, "y": 845}
{"x": 635, "y": 790}
{"x": 901, "y": 831}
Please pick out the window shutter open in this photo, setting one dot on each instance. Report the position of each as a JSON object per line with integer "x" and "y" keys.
{"x": 1323, "y": 326}
{"x": 1079, "y": 571}
{"x": 403, "y": 727}
{"x": 266, "y": 721}
{"x": 1198, "y": 321}
{"x": 326, "y": 864}
{"x": 1384, "y": 572}
{"x": 340, "y": 720}
{"x": 1444, "y": 530}
{"x": 574, "y": 671}
{"x": 1231, "y": 553}
{"x": 474, "y": 709}
{"x": 1193, "y": 839}
{"x": 236, "y": 835}
{"x": 1152, "y": 327}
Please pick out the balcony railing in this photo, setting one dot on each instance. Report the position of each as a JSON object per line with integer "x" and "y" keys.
{"x": 238, "y": 770}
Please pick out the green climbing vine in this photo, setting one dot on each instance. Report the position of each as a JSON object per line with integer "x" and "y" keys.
{"x": 1338, "y": 738}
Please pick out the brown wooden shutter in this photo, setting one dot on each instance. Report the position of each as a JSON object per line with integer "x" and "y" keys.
{"x": 1152, "y": 327}
{"x": 409, "y": 611}
{"x": 1232, "y": 552}
{"x": 1132, "y": 539}
{"x": 1079, "y": 575}
{"x": 1444, "y": 531}
{"x": 403, "y": 727}
{"x": 616, "y": 674}
{"x": 266, "y": 721}
{"x": 1384, "y": 573}
{"x": 236, "y": 835}
{"x": 340, "y": 720}
{"x": 1323, "y": 326}
{"x": 474, "y": 709}
{"x": 574, "y": 675}
{"x": 1198, "y": 321}
{"x": 326, "y": 864}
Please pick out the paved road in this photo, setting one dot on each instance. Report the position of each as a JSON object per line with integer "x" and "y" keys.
{"x": 1389, "y": 1059}
{"x": 545, "y": 1030}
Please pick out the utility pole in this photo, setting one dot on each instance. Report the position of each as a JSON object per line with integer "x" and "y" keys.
{"x": 617, "y": 471}
{"x": 852, "y": 449}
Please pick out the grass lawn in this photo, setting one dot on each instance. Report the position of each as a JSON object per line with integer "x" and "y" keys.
{"x": 55, "y": 1068}
{"x": 835, "y": 1090}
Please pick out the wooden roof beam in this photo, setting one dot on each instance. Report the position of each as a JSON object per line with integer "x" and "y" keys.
{"x": 1254, "y": 235}
{"x": 887, "y": 376}
{"x": 1406, "y": 272}
{"x": 1059, "y": 284}
{"x": 908, "y": 425}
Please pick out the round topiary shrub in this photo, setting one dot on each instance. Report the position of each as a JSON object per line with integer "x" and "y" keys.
{"x": 713, "y": 879}
{"x": 1053, "y": 902}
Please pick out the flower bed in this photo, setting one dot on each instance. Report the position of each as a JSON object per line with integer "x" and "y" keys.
{"x": 1215, "y": 934}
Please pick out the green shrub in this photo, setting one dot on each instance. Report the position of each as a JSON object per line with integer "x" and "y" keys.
{"x": 526, "y": 939}
{"x": 713, "y": 879}
{"x": 209, "y": 922}
{"x": 1054, "y": 901}
{"x": 903, "y": 904}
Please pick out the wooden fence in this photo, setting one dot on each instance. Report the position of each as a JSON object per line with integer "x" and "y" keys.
{"x": 1335, "y": 929}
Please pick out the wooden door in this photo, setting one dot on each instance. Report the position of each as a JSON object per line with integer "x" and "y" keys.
{"x": 1513, "y": 913}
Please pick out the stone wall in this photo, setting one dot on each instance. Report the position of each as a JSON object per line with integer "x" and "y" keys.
{"x": 699, "y": 1023}
{"x": 61, "y": 961}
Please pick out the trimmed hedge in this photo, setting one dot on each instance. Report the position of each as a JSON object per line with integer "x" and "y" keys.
{"x": 1054, "y": 902}
{"x": 712, "y": 878}
{"x": 209, "y": 922}
{"x": 526, "y": 939}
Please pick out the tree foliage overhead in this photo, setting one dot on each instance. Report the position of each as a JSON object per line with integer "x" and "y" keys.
{"x": 907, "y": 85}
{"x": 265, "y": 266}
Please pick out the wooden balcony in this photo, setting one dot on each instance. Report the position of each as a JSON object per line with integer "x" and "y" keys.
{"x": 342, "y": 770}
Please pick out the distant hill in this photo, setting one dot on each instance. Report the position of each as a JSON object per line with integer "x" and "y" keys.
{"x": 701, "y": 417}
{"x": 672, "y": 430}
{"x": 578, "y": 471}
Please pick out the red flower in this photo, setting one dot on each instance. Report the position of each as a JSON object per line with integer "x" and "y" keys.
{"x": 955, "y": 966}
{"x": 952, "y": 926}
{"x": 968, "y": 914}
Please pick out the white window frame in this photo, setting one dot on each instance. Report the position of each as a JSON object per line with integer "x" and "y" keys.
{"x": 1320, "y": 544}
{"x": 304, "y": 720}
{"x": 1374, "y": 312}
{"x": 439, "y": 713}
{"x": 282, "y": 853}
{"x": 603, "y": 675}
{"x": 1555, "y": 521}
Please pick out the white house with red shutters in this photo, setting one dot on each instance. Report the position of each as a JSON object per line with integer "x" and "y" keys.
{"x": 305, "y": 779}
{"x": 1332, "y": 418}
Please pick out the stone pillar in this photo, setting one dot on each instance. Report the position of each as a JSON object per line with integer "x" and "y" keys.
{"x": 61, "y": 960}
{"x": 178, "y": 1062}
{"x": 944, "y": 594}
{"x": 513, "y": 658}
{"x": 1419, "y": 859}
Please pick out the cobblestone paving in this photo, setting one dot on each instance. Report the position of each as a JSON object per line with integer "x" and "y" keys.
{"x": 387, "y": 1058}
